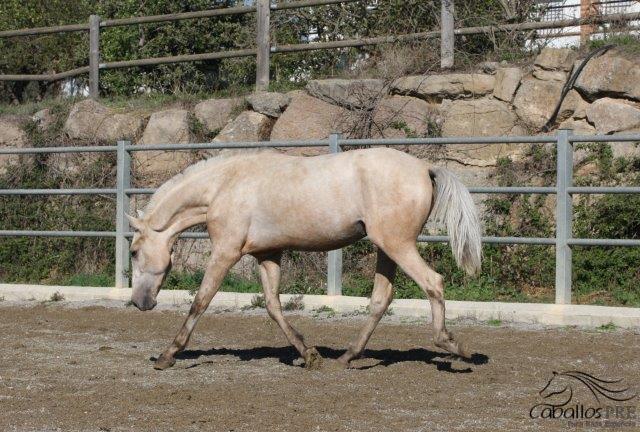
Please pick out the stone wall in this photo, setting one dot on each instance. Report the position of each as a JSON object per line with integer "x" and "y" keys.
{"x": 498, "y": 99}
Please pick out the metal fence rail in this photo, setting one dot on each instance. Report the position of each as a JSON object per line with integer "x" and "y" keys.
{"x": 563, "y": 240}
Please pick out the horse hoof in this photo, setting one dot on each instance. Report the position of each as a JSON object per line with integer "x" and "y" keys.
{"x": 453, "y": 347}
{"x": 312, "y": 359}
{"x": 163, "y": 363}
{"x": 461, "y": 350}
{"x": 334, "y": 365}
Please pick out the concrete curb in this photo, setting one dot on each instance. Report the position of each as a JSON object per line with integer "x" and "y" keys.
{"x": 526, "y": 313}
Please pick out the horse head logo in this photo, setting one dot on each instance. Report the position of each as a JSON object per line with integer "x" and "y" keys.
{"x": 562, "y": 386}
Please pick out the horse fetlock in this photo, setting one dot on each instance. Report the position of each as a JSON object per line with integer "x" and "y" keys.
{"x": 164, "y": 362}
{"x": 312, "y": 358}
{"x": 345, "y": 360}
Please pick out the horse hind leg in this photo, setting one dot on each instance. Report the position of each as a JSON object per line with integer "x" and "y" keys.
{"x": 381, "y": 297}
{"x": 270, "y": 278}
{"x": 406, "y": 255}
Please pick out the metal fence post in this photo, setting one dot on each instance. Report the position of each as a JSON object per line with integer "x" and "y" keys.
{"x": 334, "y": 257}
{"x": 123, "y": 182}
{"x": 447, "y": 36}
{"x": 564, "y": 217}
{"x": 263, "y": 44}
{"x": 94, "y": 56}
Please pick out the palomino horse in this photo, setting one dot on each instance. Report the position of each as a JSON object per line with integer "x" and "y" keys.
{"x": 263, "y": 203}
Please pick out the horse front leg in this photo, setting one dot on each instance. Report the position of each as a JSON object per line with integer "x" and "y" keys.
{"x": 220, "y": 263}
{"x": 381, "y": 297}
{"x": 270, "y": 278}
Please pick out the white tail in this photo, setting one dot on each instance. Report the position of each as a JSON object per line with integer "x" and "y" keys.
{"x": 454, "y": 207}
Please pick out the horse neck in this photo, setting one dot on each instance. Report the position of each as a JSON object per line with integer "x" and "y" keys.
{"x": 185, "y": 200}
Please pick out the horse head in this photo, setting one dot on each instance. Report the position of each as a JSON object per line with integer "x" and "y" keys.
{"x": 150, "y": 260}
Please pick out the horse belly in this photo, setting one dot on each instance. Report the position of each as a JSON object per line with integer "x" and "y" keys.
{"x": 278, "y": 237}
{"x": 313, "y": 217}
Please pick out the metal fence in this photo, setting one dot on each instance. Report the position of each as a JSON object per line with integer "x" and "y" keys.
{"x": 564, "y": 190}
{"x": 264, "y": 46}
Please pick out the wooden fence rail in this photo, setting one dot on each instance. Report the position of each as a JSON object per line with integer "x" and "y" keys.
{"x": 264, "y": 48}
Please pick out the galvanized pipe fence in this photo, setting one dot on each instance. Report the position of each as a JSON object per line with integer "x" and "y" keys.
{"x": 564, "y": 191}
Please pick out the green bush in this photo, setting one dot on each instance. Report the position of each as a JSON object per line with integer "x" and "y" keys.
{"x": 191, "y": 281}
{"x": 61, "y": 52}
{"x": 52, "y": 260}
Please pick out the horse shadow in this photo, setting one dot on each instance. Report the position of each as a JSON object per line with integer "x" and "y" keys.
{"x": 386, "y": 357}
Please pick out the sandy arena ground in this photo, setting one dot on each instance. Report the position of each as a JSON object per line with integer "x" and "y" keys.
{"x": 70, "y": 368}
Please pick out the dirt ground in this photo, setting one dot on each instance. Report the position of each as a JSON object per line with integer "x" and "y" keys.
{"x": 75, "y": 368}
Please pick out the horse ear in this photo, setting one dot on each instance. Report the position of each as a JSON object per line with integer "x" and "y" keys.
{"x": 135, "y": 222}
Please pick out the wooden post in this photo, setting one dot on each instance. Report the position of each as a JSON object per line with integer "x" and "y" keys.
{"x": 94, "y": 56}
{"x": 588, "y": 11}
{"x": 263, "y": 44}
{"x": 447, "y": 37}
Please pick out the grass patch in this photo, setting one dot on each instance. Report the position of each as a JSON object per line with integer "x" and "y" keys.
{"x": 258, "y": 301}
{"x": 325, "y": 310}
{"x": 494, "y": 322}
{"x": 626, "y": 43}
{"x": 294, "y": 303}
{"x": 360, "y": 311}
{"x": 607, "y": 327}
{"x": 30, "y": 108}
{"x": 191, "y": 281}
{"x": 56, "y": 297}
{"x": 233, "y": 283}
{"x": 155, "y": 101}
{"x": 143, "y": 102}
{"x": 283, "y": 86}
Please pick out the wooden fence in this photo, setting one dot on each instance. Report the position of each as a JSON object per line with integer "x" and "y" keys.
{"x": 264, "y": 48}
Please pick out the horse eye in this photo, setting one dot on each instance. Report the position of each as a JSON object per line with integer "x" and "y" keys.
{"x": 134, "y": 254}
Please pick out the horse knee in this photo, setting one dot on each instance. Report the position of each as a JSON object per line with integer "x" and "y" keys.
{"x": 434, "y": 287}
{"x": 378, "y": 306}
{"x": 438, "y": 281}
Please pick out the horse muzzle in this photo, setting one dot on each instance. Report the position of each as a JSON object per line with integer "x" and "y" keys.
{"x": 144, "y": 303}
